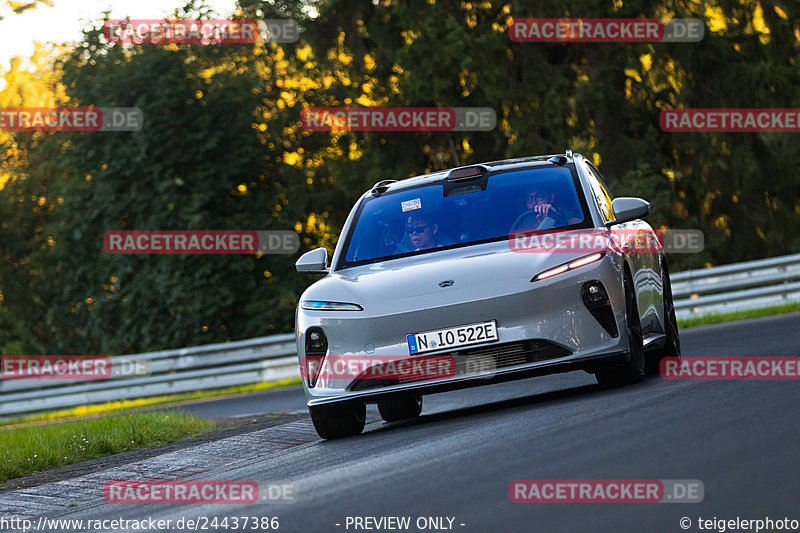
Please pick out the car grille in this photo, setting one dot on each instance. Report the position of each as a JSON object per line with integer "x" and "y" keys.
{"x": 505, "y": 355}
{"x": 485, "y": 359}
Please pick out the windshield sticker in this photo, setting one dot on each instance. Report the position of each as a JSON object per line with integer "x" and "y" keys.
{"x": 410, "y": 205}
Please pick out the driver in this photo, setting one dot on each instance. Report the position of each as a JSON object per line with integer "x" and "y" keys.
{"x": 540, "y": 212}
{"x": 542, "y": 205}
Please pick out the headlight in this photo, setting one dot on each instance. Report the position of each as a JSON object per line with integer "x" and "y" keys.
{"x": 577, "y": 263}
{"x": 315, "y": 305}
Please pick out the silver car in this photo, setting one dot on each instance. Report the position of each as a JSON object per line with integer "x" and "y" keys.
{"x": 479, "y": 275}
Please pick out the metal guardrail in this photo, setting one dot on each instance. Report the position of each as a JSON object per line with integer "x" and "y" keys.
{"x": 171, "y": 371}
{"x": 739, "y": 286}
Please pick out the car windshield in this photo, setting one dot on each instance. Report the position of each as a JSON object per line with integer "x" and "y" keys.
{"x": 423, "y": 220}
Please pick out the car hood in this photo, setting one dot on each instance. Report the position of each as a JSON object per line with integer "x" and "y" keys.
{"x": 476, "y": 272}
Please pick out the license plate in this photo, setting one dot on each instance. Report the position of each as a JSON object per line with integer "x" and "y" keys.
{"x": 456, "y": 337}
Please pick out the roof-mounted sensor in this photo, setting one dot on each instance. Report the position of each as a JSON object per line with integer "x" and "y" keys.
{"x": 381, "y": 187}
{"x": 467, "y": 173}
{"x": 561, "y": 160}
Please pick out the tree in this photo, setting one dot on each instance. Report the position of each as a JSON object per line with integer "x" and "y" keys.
{"x": 222, "y": 148}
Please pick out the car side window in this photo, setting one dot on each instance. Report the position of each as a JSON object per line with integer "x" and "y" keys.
{"x": 600, "y": 193}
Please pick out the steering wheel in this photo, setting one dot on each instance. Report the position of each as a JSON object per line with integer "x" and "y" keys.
{"x": 531, "y": 212}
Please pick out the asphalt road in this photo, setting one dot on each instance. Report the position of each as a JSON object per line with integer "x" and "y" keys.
{"x": 457, "y": 460}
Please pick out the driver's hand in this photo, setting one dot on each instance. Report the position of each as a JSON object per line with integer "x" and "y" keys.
{"x": 543, "y": 210}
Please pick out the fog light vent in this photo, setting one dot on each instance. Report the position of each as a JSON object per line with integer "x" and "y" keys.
{"x": 595, "y": 298}
{"x": 316, "y": 341}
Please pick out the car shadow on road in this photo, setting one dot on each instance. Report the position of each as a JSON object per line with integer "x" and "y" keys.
{"x": 502, "y": 405}
{"x": 508, "y": 405}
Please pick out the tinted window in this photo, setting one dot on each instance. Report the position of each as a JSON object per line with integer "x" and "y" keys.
{"x": 600, "y": 193}
{"x": 423, "y": 220}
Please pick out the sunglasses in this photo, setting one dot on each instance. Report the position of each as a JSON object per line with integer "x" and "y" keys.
{"x": 417, "y": 229}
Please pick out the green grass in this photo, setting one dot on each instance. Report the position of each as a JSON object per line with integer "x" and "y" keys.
{"x": 738, "y": 315}
{"x": 121, "y": 405}
{"x": 27, "y": 450}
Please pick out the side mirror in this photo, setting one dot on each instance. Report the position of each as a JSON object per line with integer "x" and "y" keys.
{"x": 314, "y": 261}
{"x": 626, "y": 208}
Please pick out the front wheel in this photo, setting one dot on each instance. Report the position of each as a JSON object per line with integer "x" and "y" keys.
{"x": 337, "y": 422}
{"x": 633, "y": 370}
{"x": 672, "y": 344}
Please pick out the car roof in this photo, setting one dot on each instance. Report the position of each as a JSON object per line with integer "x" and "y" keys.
{"x": 502, "y": 164}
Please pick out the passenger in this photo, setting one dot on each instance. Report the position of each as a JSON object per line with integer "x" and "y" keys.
{"x": 423, "y": 231}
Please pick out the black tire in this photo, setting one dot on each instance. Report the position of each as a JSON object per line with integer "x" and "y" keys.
{"x": 334, "y": 423}
{"x": 672, "y": 344}
{"x": 400, "y": 408}
{"x": 633, "y": 370}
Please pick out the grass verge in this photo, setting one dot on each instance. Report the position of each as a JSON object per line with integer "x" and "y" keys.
{"x": 121, "y": 405}
{"x": 717, "y": 318}
{"x": 27, "y": 450}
